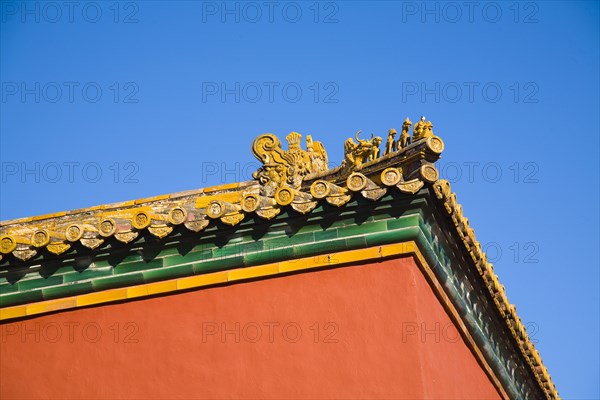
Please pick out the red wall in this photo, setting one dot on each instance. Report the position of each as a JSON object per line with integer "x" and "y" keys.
{"x": 381, "y": 333}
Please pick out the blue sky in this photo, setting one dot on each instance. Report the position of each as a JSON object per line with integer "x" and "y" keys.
{"x": 106, "y": 101}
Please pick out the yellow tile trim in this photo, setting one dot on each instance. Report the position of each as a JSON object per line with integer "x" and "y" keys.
{"x": 13, "y": 312}
{"x": 104, "y": 296}
{"x": 202, "y": 280}
{"x": 151, "y": 199}
{"x": 252, "y": 272}
{"x": 48, "y": 216}
{"x": 151, "y": 289}
{"x": 50, "y": 305}
{"x": 226, "y": 186}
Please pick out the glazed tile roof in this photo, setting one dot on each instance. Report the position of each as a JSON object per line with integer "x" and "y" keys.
{"x": 294, "y": 178}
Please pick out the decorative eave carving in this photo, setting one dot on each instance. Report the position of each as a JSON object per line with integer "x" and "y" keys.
{"x": 295, "y": 178}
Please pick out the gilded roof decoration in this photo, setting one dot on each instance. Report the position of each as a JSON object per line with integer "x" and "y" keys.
{"x": 295, "y": 178}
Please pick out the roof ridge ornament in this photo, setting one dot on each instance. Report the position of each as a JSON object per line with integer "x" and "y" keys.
{"x": 423, "y": 129}
{"x": 356, "y": 154}
{"x": 286, "y": 167}
{"x": 283, "y": 172}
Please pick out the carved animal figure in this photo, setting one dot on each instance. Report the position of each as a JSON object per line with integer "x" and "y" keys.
{"x": 355, "y": 154}
{"x": 405, "y": 136}
{"x": 423, "y": 129}
{"x": 376, "y": 142}
{"x": 317, "y": 154}
{"x": 390, "y": 144}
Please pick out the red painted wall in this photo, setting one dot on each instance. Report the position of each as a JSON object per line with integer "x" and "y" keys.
{"x": 370, "y": 331}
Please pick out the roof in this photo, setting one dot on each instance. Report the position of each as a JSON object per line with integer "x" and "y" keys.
{"x": 404, "y": 178}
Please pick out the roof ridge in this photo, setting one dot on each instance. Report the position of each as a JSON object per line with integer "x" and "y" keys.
{"x": 497, "y": 291}
{"x": 295, "y": 177}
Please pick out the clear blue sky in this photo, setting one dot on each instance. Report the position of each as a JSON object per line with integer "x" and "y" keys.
{"x": 108, "y": 101}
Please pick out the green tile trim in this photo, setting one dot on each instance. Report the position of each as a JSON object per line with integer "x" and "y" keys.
{"x": 234, "y": 249}
{"x": 17, "y": 298}
{"x": 395, "y": 236}
{"x": 6, "y": 288}
{"x": 118, "y": 281}
{"x": 319, "y": 248}
{"x": 326, "y": 235}
{"x": 356, "y": 242}
{"x": 29, "y": 284}
{"x": 273, "y": 254}
{"x": 187, "y": 258}
{"x": 294, "y": 236}
{"x": 137, "y": 266}
{"x": 365, "y": 228}
{"x": 67, "y": 290}
{"x": 404, "y": 222}
{"x": 87, "y": 274}
{"x": 218, "y": 264}
{"x": 167, "y": 273}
